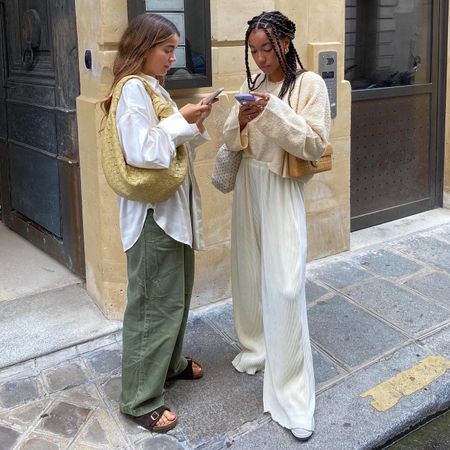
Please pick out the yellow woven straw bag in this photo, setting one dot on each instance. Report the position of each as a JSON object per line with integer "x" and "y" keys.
{"x": 134, "y": 183}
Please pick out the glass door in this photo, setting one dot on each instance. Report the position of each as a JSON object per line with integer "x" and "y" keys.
{"x": 393, "y": 63}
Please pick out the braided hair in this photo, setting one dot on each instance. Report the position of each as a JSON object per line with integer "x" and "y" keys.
{"x": 276, "y": 26}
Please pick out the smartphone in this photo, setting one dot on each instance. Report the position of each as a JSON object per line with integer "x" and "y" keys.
{"x": 211, "y": 97}
{"x": 244, "y": 98}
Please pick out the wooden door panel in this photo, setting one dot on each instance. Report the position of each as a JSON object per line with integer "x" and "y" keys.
{"x": 32, "y": 126}
{"x": 35, "y": 187}
{"x": 44, "y": 67}
{"x": 40, "y": 181}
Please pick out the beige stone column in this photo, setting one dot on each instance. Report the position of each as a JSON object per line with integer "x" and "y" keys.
{"x": 99, "y": 26}
{"x": 321, "y": 27}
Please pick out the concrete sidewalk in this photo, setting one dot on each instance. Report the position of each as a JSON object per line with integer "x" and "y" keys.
{"x": 380, "y": 326}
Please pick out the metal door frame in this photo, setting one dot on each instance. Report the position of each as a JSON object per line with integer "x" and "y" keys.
{"x": 437, "y": 89}
{"x": 4, "y": 181}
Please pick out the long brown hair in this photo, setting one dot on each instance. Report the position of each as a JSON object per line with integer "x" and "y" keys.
{"x": 276, "y": 26}
{"x": 143, "y": 33}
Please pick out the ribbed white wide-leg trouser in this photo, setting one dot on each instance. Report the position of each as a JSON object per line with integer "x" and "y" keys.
{"x": 268, "y": 257}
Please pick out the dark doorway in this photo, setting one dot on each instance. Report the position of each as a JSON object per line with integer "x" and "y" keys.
{"x": 39, "y": 170}
{"x": 395, "y": 61}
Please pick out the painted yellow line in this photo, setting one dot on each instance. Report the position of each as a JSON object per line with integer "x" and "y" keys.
{"x": 387, "y": 394}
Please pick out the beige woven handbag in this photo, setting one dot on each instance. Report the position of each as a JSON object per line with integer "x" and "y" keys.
{"x": 225, "y": 169}
{"x": 134, "y": 183}
{"x": 297, "y": 167}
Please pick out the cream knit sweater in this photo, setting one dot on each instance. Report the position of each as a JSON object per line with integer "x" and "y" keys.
{"x": 302, "y": 130}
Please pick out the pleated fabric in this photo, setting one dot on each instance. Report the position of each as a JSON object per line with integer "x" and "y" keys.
{"x": 268, "y": 286}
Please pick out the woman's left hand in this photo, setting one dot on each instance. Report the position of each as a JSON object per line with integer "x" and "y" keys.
{"x": 262, "y": 100}
{"x": 204, "y": 114}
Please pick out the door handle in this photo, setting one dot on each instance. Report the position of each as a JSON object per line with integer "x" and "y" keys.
{"x": 31, "y": 37}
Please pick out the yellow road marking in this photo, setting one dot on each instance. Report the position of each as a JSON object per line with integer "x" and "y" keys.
{"x": 387, "y": 394}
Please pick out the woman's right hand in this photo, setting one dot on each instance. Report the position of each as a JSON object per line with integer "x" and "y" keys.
{"x": 193, "y": 112}
{"x": 248, "y": 112}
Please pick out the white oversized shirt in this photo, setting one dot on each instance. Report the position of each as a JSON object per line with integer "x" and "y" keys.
{"x": 149, "y": 143}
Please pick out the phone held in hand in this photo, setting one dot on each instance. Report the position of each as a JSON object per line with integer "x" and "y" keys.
{"x": 244, "y": 98}
{"x": 207, "y": 100}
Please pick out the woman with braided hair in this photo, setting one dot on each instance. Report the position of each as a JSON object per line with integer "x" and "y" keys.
{"x": 268, "y": 243}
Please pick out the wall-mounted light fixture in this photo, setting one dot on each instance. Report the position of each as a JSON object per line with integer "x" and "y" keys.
{"x": 192, "y": 18}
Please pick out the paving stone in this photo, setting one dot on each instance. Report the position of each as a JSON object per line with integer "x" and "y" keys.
{"x": 105, "y": 361}
{"x": 101, "y": 342}
{"x": 439, "y": 342}
{"x": 14, "y": 393}
{"x": 64, "y": 419}
{"x": 314, "y": 291}
{"x": 27, "y": 414}
{"x": 403, "y": 308}
{"x": 324, "y": 369}
{"x": 388, "y": 264}
{"x": 435, "y": 285}
{"x": 8, "y": 438}
{"x": 345, "y": 420}
{"x": 102, "y": 431}
{"x": 39, "y": 443}
{"x": 340, "y": 274}
{"x": 426, "y": 249}
{"x": 223, "y": 399}
{"x": 161, "y": 443}
{"x": 222, "y": 318}
{"x": 85, "y": 396}
{"x": 443, "y": 232}
{"x": 269, "y": 437}
{"x": 349, "y": 333}
{"x": 18, "y": 371}
{"x": 65, "y": 376}
{"x": 55, "y": 358}
{"x": 96, "y": 434}
{"x": 113, "y": 388}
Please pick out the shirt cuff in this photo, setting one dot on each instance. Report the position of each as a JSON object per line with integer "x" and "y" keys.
{"x": 177, "y": 128}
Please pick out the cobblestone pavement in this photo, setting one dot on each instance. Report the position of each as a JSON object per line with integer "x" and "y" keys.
{"x": 372, "y": 314}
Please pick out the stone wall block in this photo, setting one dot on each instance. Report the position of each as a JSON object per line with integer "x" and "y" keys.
{"x": 229, "y": 17}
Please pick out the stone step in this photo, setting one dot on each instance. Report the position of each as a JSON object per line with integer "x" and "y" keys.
{"x": 53, "y": 320}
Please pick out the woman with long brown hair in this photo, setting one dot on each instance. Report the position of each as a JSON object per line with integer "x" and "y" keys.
{"x": 159, "y": 239}
{"x": 290, "y": 115}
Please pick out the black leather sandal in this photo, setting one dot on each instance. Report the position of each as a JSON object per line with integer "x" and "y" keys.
{"x": 188, "y": 373}
{"x": 149, "y": 420}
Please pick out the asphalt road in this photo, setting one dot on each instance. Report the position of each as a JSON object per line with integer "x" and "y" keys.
{"x": 433, "y": 435}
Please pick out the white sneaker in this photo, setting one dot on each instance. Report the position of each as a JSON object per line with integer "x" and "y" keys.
{"x": 301, "y": 434}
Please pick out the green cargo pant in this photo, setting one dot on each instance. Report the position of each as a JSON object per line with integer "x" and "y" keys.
{"x": 160, "y": 279}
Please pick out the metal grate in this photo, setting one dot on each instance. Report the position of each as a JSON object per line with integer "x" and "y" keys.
{"x": 390, "y": 152}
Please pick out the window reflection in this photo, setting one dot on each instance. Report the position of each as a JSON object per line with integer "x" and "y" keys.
{"x": 191, "y": 52}
{"x": 388, "y": 43}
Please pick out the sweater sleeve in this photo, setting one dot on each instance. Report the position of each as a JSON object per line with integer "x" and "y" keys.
{"x": 235, "y": 139}
{"x": 304, "y": 133}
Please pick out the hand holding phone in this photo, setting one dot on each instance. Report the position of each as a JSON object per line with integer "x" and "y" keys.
{"x": 244, "y": 98}
{"x": 207, "y": 100}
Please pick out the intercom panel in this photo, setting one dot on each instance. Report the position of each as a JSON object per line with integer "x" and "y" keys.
{"x": 328, "y": 71}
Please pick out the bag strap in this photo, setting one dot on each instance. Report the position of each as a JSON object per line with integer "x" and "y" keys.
{"x": 299, "y": 91}
{"x": 162, "y": 108}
